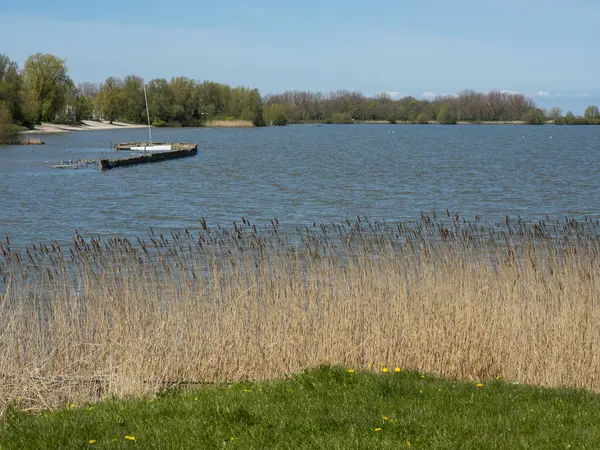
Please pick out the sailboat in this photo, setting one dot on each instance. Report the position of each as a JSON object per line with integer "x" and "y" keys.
{"x": 148, "y": 152}
{"x": 150, "y": 146}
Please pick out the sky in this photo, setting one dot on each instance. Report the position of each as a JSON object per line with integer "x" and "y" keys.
{"x": 544, "y": 49}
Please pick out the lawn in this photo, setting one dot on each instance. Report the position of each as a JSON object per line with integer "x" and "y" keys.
{"x": 329, "y": 408}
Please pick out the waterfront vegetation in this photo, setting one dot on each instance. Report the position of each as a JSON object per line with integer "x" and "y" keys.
{"x": 327, "y": 407}
{"x": 460, "y": 299}
{"x": 43, "y": 91}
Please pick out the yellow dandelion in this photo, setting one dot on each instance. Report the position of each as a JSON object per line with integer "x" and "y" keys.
{"x": 72, "y": 405}
{"x": 408, "y": 443}
{"x": 92, "y": 441}
{"x": 130, "y": 438}
{"x": 232, "y": 438}
{"x": 397, "y": 370}
{"x": 370, "y": 365}
{"x": 498, "y": 377}
{"x": 422, "y": 376}
{"x": 385, "y": 418}
{"x": 195, "y": 399}
{"x": 377, "y": 430}
{"x": 350, "y": 370}
{"x": 479, "y": 385}
{"x": 385, "y": 370}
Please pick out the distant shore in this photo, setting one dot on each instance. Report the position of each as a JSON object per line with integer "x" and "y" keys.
{"x": 86, "y": 125}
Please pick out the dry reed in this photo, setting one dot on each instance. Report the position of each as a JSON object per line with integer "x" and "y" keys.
{"x": 459, "y": 299}
{"x": 229, "y": 124}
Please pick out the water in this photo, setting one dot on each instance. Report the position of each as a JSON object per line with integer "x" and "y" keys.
{"x": 300, "y": 174}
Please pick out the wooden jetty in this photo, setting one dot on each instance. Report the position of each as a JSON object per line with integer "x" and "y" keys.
{"x": 178, "y": 150}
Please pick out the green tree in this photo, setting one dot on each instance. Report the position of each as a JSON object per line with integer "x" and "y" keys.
{"x": 254, "y": 106}
{"x": 10, "y": 88}
{"x": 110, "y": 99}
{"x": 84, "y": 108}
{"x": 422, "y": 119}
{"x": 534, "y": 116}
{"x": 46, "y": 85}
{"x": 591, "y": 112}
{"x": 275, "y": 115}
{"x": 133, "y": 103}
{"x": 160, "y": 100}
{"x": 7, "y": 129}
{"x": 446, "y": 115}
{"x": 341, "y": 118}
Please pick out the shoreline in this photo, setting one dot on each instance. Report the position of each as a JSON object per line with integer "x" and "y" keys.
{"x": 86, "y": 125}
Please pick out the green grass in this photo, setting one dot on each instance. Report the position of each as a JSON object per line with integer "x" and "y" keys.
{"x": 327, "y": 408}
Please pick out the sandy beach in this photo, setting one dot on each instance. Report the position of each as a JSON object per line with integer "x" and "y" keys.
{"x": 86, "y": 125}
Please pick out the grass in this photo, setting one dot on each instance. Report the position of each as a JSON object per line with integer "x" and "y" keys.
{"x": 463, "y": 300}
{"x": 324, "y": 408}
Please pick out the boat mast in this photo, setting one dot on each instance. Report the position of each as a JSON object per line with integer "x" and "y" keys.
{"x": 148, "y": 114}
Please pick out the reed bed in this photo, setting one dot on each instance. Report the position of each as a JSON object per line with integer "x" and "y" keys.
{"x": 460, "y": 299}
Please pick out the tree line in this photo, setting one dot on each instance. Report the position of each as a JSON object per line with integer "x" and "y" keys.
{"x": 43, "y": 91}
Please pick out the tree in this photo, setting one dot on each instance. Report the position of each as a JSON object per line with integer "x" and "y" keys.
{"x": 446, "y": 115}
{"x": 160, "y": 100}
{"x": 11, "y": 87}
{"x": 534, "y": 116}
{"x": 570, "y": 118}
{"x": 275, "y": 115}
{"x": 591, "y": 112}
{"x": 110, "y": 99}
{"x": 7, "y": 129}
{"x": 46, "y": 85}
{"x": 554, "y": 113}
{"x": 133, "y": 104}
{"x": 422, "y": 119}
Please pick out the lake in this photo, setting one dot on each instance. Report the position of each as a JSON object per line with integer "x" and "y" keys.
{"x": 300, "y": 174}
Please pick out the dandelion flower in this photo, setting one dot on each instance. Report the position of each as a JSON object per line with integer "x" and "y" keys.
{"x": 385, "y": 370}
{"x": 377, "y": 430}
{"x": 72, "y": 405}
{"x": 232, "y": 438}
{"x": 130, "y": 438}
{"x": 397, "y": 370}
{"x": 195, "y": 399}
{"x": 479, "y": 385}
{"x": 385, "y": 418}
{"x": 408, "y": 443}
{"x": 350, "y": 370}
{"x": 92, "y": 441}
{"x": 498, "y": 377}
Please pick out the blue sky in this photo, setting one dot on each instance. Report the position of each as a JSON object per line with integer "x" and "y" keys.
{"x": 545, "y": 49}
